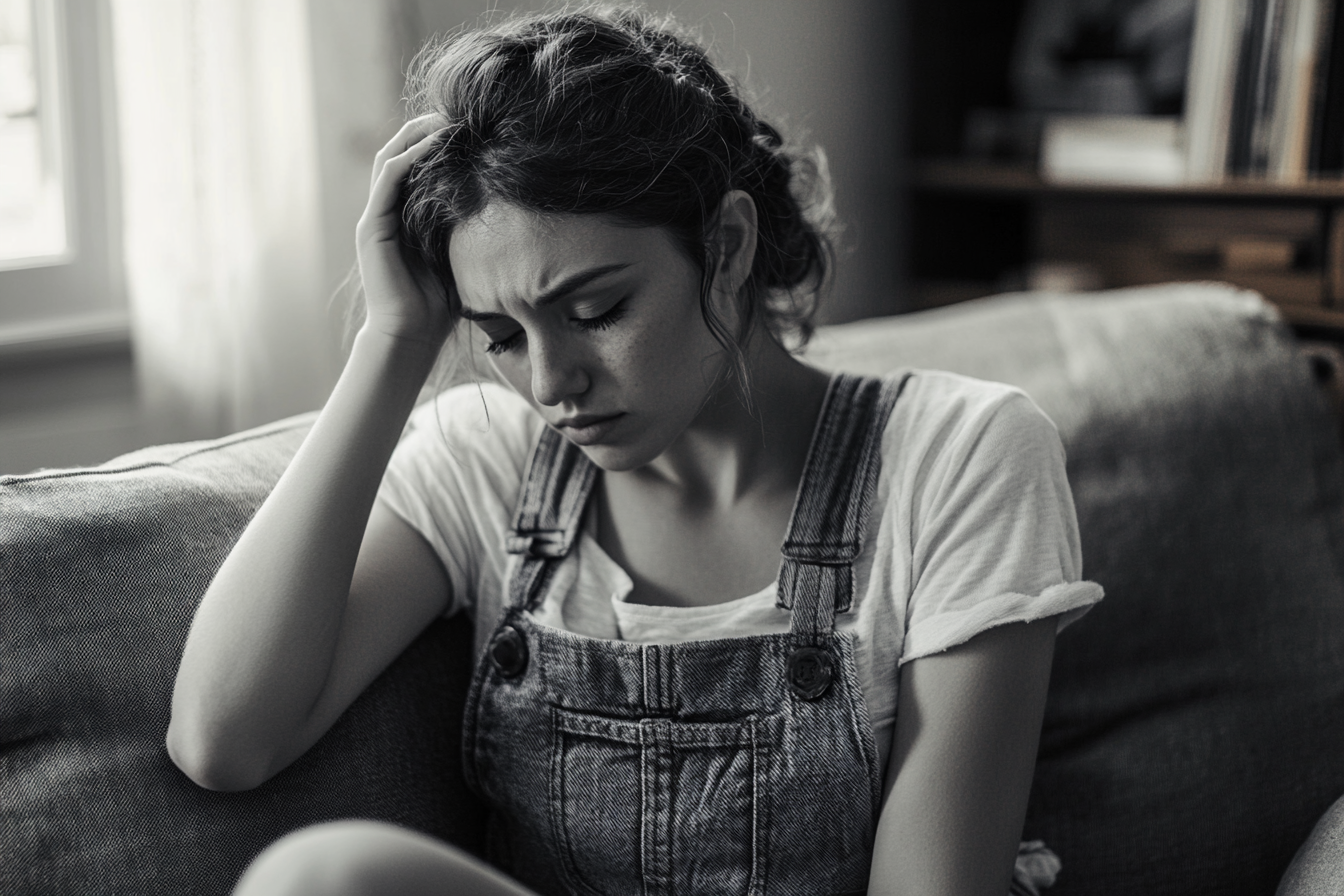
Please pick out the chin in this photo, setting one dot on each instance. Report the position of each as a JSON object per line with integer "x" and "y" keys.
{"x": 618, "y": 458}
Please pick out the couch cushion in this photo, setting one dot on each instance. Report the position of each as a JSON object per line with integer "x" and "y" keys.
{"x": 1195, "y": 725}
{"x": 1196, "y": 717}
{"x": 100, "y": 573}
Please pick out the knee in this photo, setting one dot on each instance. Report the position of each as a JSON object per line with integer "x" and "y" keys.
{"x": 328, "y": 859}
{"x": 1318, "y": 867}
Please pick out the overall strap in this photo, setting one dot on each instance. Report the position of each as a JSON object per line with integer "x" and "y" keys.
{"x": 826, "y": 530}
{"x": 549, "y": 513}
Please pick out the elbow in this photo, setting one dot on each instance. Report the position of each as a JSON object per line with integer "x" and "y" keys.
{"x": 212, "y": 762}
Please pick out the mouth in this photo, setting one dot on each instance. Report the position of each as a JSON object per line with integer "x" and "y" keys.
{"x": 587, "y": 429}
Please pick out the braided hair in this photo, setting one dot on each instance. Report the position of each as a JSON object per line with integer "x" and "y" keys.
{"x": 607, "y": 111}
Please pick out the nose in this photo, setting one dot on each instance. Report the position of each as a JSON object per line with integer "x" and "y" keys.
{"x": 558, "y": 372}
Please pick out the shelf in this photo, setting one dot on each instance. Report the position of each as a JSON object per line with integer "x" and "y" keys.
{"x": 1306, "y": 317}
{"x": 980, "y": 178}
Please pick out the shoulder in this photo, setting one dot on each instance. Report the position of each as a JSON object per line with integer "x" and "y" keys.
{"x": 472, "y": 410}
{"x": 951, "y": 419}
{"x": 483, "y": 420}
{"x": 474, "y": 438}
{"x": 455, "y": 476}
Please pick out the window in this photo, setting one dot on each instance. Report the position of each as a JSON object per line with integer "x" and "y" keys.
{"x": 32, "y": 173}
{"x": 60, "y": 263}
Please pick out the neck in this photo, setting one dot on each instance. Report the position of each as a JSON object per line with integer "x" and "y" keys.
{"x": 731, "y": 450}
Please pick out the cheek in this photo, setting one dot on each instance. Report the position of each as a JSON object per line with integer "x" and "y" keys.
{"x": 514, "y": 371}
{"x": 664, "y": 355}
{"x": 695, "y": 356}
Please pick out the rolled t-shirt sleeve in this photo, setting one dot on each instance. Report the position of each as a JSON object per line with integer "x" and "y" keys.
{"x": 994, "y": 536}
{"x": 454, "y": 477}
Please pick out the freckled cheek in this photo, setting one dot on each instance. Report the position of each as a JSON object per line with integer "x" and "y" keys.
{"x": 626, "y": 358}
{"x": 669, "y": 372}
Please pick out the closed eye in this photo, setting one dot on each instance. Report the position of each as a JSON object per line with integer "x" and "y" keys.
{"x": 500, "y": 346}
{"x": 602, "y": 321}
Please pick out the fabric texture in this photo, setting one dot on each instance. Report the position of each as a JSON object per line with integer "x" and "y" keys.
{"x": 100, "y": 573}
{"x": 1193, "y": 729}
{"x": 971, "y": 525}
{"x": 742, "y": 765}
{"x": 734, "y": 765}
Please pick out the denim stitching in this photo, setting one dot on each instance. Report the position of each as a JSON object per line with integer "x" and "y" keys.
{"x": 670, "y": 681}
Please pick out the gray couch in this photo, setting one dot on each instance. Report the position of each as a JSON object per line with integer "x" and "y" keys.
{"x": 1195, "y": 726}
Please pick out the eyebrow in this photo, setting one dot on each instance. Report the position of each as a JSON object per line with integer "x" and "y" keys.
{"x": 566, "y": 286}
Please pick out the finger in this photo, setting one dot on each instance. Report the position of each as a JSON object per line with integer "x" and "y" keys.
{"x": 386, "y": 189}
{"x": 411, "y": 133}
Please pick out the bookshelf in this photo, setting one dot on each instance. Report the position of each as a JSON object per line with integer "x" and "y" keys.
{"x": 979, "y": 228}
{"x": 962, "y": 176}
{"x": 978, "y": 224}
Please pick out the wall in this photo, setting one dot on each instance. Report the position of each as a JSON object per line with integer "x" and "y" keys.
{"x": 830, "y": 72}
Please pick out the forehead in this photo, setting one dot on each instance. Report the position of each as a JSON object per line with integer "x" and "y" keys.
{"x": 508, "y": 254}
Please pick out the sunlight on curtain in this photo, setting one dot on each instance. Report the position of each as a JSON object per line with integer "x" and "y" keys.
{"x": 221, "y": 208}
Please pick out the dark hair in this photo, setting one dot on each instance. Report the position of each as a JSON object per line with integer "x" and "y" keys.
{"x": 606, "y": 111}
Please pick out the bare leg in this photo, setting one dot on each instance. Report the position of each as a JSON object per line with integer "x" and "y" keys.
{"x": 1318, "y": 867}
{"x": 361, "y": 858}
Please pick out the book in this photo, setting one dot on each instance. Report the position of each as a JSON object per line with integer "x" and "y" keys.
{"x": 1210, "y": 87}
{"x": 1289, "y": 141}
{"x": 1244, "y": 88}
{"x": 1327, "y": 129}
{"x": 1112, "y": 149}
{"x": 1264, "y": 113}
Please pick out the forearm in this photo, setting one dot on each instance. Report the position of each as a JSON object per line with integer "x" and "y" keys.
{"x": 262, "y": 643}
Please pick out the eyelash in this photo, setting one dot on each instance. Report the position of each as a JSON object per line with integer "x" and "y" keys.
{"x": 602, "y": 321}
{"x": 503, "y": 345}
{"x": 588, "y": 324}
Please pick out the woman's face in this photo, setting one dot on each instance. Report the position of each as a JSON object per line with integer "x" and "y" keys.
{"x": 597, "y": 325}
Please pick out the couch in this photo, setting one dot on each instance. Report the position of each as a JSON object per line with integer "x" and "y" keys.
{"x": 1194, "y": 730}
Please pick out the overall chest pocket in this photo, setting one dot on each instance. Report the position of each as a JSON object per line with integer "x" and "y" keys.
{"x": 659, "y": 806}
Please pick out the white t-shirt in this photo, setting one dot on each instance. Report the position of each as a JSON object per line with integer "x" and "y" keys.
{"x": 972, "y": 526}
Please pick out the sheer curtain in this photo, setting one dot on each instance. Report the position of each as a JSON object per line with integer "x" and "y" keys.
{"x": 221, "y": 207}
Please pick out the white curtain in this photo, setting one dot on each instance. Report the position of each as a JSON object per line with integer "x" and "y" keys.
{"x": 221, "y": 209}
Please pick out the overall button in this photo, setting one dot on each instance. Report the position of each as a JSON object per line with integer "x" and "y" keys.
{"x": 508, "y": 651}
{"x": 810, "y": 672}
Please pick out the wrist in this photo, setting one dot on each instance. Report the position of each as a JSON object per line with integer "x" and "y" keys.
{"x": 392, "y": 359}
{"x": 429, "y": 327}
{"x": 404, "y": 349}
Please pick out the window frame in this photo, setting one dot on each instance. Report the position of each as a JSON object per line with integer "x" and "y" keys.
{"x": 77, "y": 300}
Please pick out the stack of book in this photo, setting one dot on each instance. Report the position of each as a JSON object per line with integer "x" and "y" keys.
{"x": 1265, "y": 90}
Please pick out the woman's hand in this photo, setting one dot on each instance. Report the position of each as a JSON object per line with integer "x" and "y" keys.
{"x": 403, "y": 299}
{"x": 323, "y": 590}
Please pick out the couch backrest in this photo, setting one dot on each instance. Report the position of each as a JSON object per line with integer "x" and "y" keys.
{"x": 1195, "y": 726}
{"x": 1196, "y": 717}
{"x": 100, "y": 574}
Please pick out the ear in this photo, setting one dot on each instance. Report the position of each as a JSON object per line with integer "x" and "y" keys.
{"x": 734, "y": 242}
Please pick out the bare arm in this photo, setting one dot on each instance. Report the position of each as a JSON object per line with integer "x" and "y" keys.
{"x": 323, "y": 589}
{"x": 967, "y": 727}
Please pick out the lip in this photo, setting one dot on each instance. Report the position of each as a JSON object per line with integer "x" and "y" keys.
{"x": 588, "y": 429}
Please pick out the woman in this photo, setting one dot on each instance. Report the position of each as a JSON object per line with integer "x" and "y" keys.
{"x": 628, "y": 242}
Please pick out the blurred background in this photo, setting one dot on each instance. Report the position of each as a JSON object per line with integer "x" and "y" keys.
{"x": 180, "y": 181}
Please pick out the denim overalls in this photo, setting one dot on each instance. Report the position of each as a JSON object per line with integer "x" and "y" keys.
{"x": 738, "y": 766}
